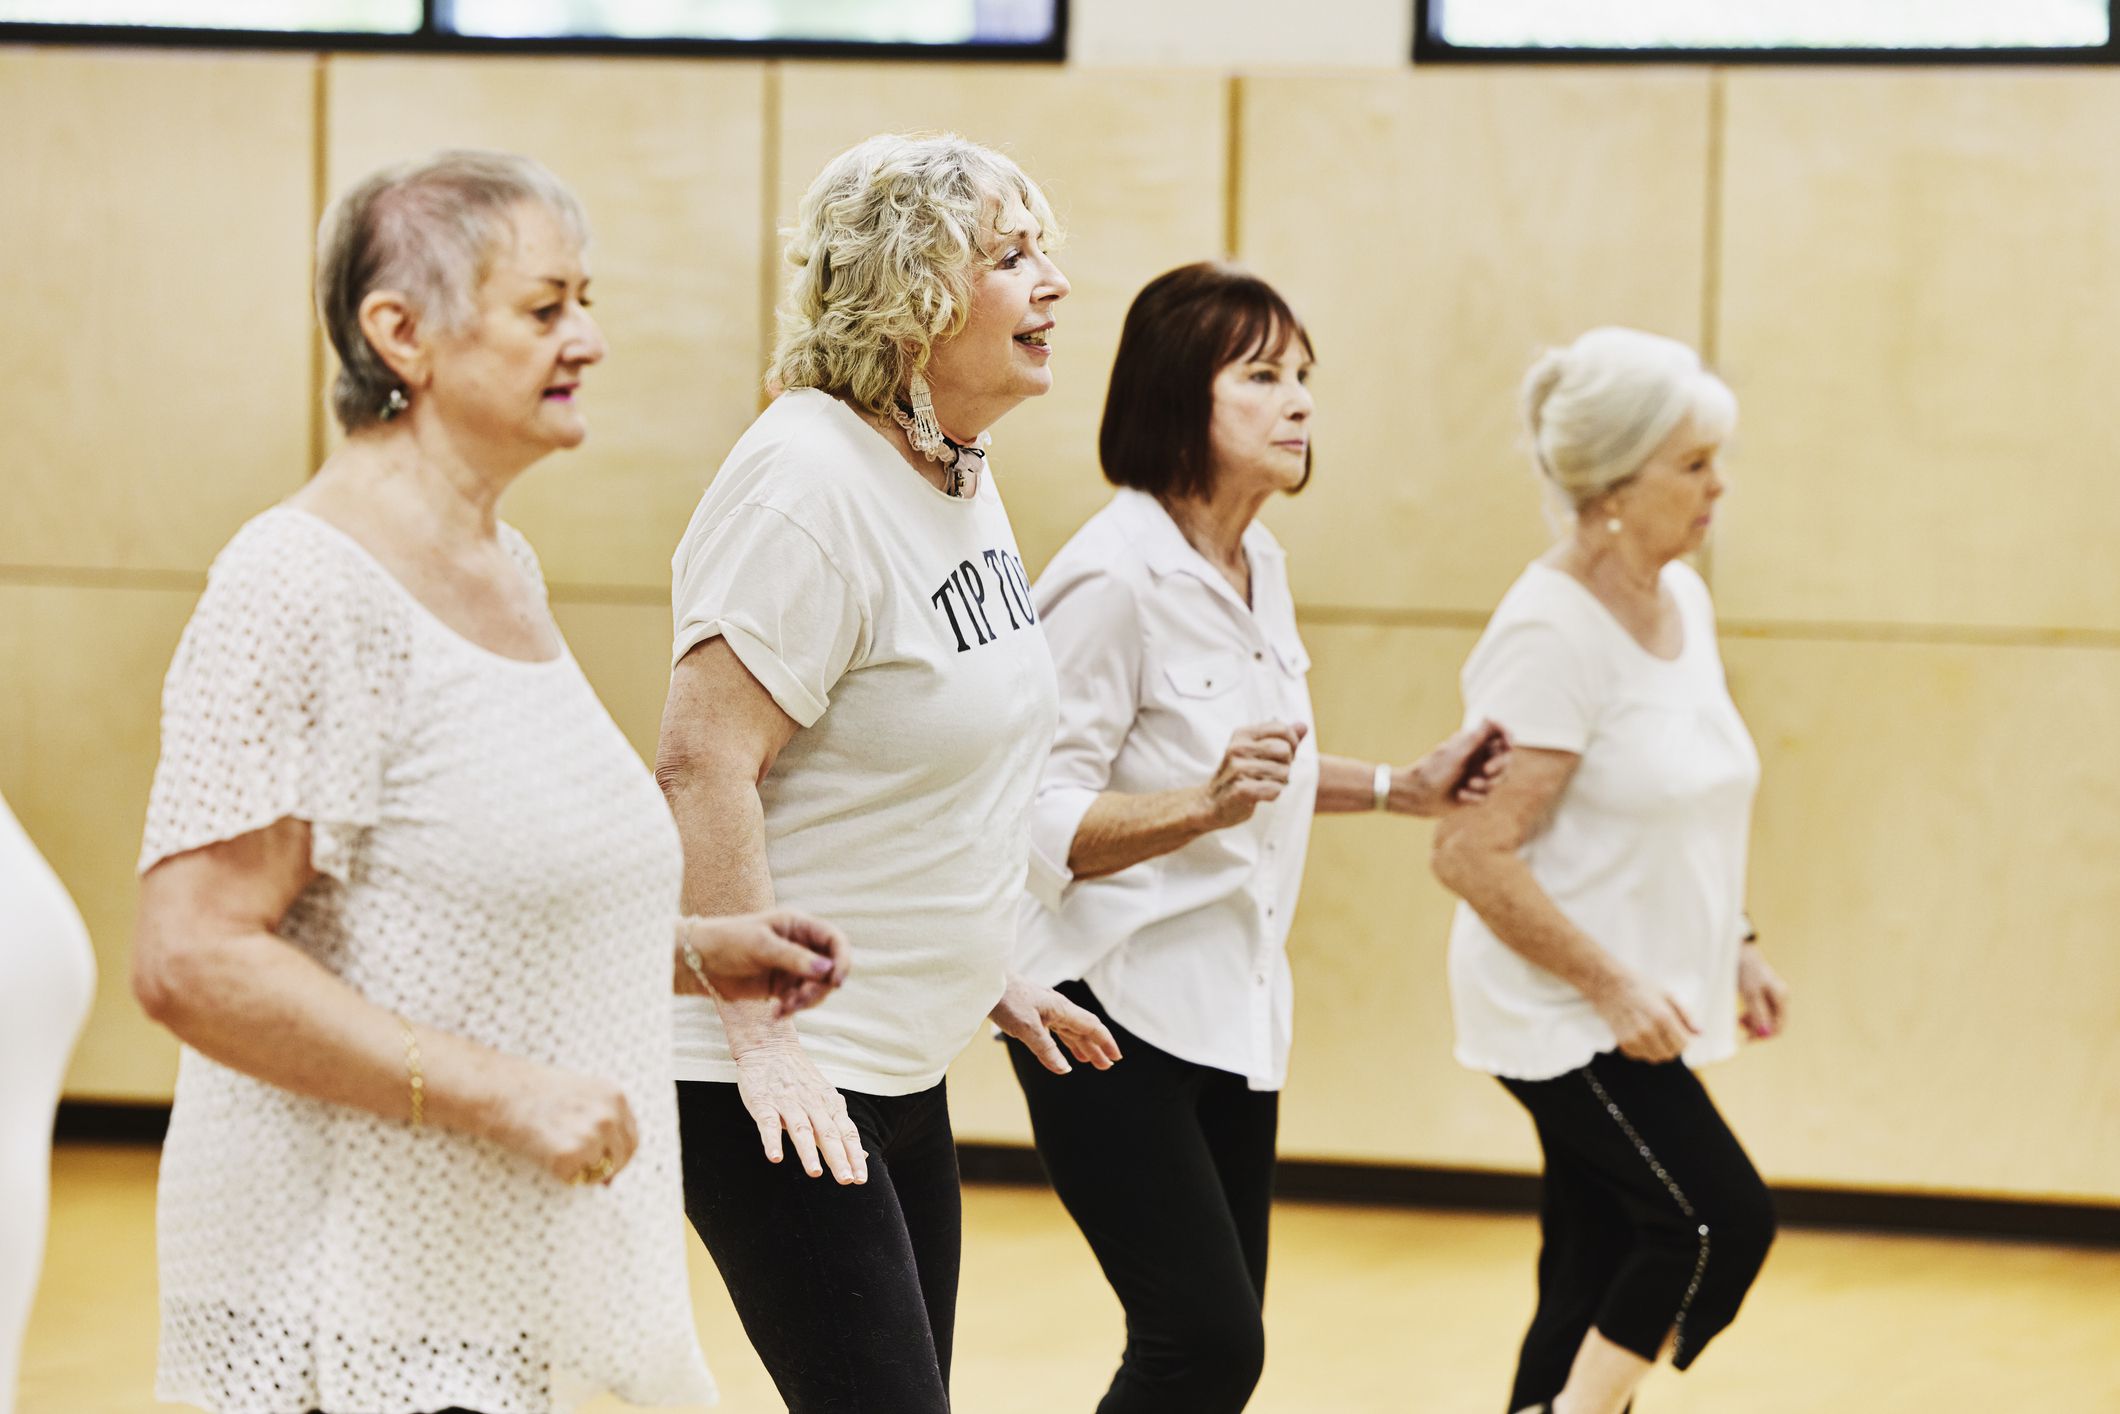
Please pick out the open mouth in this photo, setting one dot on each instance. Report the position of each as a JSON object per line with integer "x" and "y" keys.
{"x": 1036, "y": 338}
{"x": 560, "y": 395}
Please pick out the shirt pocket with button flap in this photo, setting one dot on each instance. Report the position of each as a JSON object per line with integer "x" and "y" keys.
{"x": 1206, "y": 698}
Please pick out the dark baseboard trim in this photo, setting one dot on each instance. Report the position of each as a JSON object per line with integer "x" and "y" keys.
{"x": 110, "y": 1122}
{"x": 1410, "y": 1186}
{"x": 1481, "y": 1190}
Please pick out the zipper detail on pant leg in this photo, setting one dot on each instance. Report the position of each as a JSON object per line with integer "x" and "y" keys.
{"x": 1678, "y": 1195}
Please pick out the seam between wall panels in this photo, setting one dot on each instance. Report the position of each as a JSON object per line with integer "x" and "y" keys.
{"x": 319, "y": 153}
{"x": 1233, "y": 170}
{"x": 769, "y": 238}
{"x": 1711, "y": 255}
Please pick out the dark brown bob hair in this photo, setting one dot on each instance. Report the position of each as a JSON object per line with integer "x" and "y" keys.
{"x": 1185, "y": 326}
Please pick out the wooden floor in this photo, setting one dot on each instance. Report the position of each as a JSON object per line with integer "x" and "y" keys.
{"x": 1368, "y": 1311}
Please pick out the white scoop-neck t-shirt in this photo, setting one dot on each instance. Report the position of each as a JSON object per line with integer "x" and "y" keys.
{"x": 492, "y": 860}
{"x": 895, "y": 625}
{"x": 1645, "y": 851}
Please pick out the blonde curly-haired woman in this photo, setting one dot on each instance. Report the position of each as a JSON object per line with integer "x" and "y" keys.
{"x": 859, "y": 706}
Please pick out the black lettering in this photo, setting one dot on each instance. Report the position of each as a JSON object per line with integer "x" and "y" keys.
{"x": 1023, "y": 587}
{"x": 997, "y": 561}
{"x": 973, "y": 588}
{"x": 941, "y": 597}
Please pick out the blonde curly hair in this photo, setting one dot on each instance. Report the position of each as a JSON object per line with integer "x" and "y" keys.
{"x": 887, "y": 245}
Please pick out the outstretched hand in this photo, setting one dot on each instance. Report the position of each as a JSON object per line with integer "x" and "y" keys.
{"x": 1461, "y": 771}
{"x": 1035, "y": 1015}
{"x": 791, "y": 957}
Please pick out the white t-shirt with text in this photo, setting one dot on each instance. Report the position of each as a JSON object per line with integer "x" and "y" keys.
{"x": 894, "y": 624}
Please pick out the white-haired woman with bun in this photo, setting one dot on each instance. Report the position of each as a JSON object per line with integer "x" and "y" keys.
{"x": 1602, "y": 950}
{"x": 860, "y": 702}
{"x": 409, "y": 898}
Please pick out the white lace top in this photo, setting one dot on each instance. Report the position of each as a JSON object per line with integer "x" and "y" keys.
{"x": 494, "y": 861}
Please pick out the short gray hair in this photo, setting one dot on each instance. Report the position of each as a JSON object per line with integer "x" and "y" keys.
{"x": 886, "y": 248}
{"x": 428, "y": 229}
{"x": 1596, "y": 410}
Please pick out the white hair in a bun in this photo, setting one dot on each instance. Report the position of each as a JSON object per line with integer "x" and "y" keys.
{"x": 1595, "y": 410}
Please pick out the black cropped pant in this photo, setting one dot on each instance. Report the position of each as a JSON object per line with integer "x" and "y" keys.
{"x": 849, "y": 1295}
{"x": 1654, "y": 1222}
{"x": 1167, "y": 1167}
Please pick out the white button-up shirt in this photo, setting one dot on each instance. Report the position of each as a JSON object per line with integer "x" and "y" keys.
{"x": 1159, "y": 662}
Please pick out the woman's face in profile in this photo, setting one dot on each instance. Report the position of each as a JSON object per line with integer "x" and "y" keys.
{"x": 1670, "y": 503}
{"x": 513, "y": 379}
{"x": 1259, "y": 432}
{"x": 1002, "y": 354}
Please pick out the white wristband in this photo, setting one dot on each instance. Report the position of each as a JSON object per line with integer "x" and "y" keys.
{"x": 1380, "y": 788}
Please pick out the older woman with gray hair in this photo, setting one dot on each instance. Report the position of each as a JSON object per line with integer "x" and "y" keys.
{"x": 1602, "y": 951}
{"x": 860, "y": 701}
{"x": 409, "y": 898}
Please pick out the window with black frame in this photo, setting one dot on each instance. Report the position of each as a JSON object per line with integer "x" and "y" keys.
{"x": 982, "y": 28}
{"x": 1801, "y": 31}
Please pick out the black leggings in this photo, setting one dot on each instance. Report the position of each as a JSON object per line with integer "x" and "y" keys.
{"x": 1167, "y": 1167}
{"x": 1654, "y": 1223}
{"x": 849, "y": 1295}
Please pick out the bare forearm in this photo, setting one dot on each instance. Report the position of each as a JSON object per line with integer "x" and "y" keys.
{"x": 1501, "y": 889}
{"x": 1120, "y": 830}
{"x": 1347, "y": 785}
{"x": 256, "y": 1005}
{"x": 722, "y": 823}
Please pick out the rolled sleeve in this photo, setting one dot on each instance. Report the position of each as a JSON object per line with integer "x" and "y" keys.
{"x": 765, "y": 585}
{"x": 1530, "y": 678}
{"x": 1092, "y": 625}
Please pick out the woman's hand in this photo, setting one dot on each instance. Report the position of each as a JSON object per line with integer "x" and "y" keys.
{"x": 1461, "y": 771}
{"x": 1762, "y": 996}
{"x": 1254, "y": 770}
{"x": 578, "y": 1128}
{"x": 1649, "y": 1025}
{"x": 1034, "y": 1015}
{"x": 784, "y": 1090}
{"x": 788, "y": 956}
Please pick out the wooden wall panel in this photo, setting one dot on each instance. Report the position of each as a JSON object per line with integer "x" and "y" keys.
{"x": 1135, "y": 166}
{"x": 624, "y": 650}
{"x": 1920, "y": 270}
{"x": 667, "y": 156}
{"x": 1435, "y": 230}
{"x": 1933, "y": 872}
{"x": 89, "y": 710}
{"x": 1372, "y": 1077}
{"x": 155, "y": 378}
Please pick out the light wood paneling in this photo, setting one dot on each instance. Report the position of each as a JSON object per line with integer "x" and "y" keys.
{"x": 155, "y": 377}
{"x": 1435, "y": 230}
{"x": 1135, "y": 167}
{"x": 667, "y": 156}
{"x": 1933, "y": 871}
{"x": 1367, "y": 1311}
{"x": 91, "y": 663}
{"x": 1919, "y": 275}
{"x": 1372, "y": 1076}
{"x": 624, "y": 650}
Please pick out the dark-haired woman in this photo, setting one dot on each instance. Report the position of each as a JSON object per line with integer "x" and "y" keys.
{"x": 1169, "y": 828}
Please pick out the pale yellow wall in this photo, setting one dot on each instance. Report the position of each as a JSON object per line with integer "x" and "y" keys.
{"x": 1906, "y": 276}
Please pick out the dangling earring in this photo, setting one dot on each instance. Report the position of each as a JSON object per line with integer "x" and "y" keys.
{"x": 396, "y": 403}
{"x": 926, "y": 433}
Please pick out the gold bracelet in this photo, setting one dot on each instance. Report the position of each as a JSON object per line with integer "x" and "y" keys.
{"x": 412, "y": 1073}
{"x": 694, "y": 963}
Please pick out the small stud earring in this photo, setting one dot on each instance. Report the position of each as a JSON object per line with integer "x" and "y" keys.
{"x": 1612, "y": 525}
{"x": 396, "y": 403}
